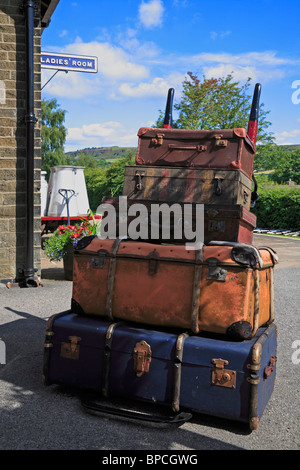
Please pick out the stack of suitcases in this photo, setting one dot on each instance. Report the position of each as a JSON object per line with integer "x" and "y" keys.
{"x": 155, "y": 321}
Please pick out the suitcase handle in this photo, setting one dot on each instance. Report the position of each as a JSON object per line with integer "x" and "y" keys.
{"x": 198, "y": 148}
{"x": 176, "y": 419}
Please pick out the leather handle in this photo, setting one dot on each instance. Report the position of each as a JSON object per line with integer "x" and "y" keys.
{"x": 103, "y": 408}
{"x": 197, "y": 148}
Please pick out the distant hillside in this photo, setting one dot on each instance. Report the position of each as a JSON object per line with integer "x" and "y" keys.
{"x": 291, "y": 147}
{"x": 108, "y": 153}
{"x": 111, "y": 153}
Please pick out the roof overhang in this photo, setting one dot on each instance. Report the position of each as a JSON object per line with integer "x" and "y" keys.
{"x": 47, "y": 9}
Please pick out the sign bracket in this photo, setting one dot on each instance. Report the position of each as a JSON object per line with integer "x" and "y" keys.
{"x": 59, "y": 70}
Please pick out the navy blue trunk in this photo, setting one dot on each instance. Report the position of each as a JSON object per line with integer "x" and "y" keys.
{"x": 200, "y": 373}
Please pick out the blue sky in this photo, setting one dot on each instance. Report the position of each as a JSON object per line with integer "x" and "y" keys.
{"x": 144, "y": 47}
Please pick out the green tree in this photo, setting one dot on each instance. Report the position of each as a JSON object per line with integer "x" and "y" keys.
{"x": 86, "y": 160}
{"x": 283, "y": 163}
{"x": 270, "y": 157}
{"x": 53, "y": 135}
{"x": 106, "y": 182}
{"x": 288, "y": 167}
{"x": 217, "y": 103}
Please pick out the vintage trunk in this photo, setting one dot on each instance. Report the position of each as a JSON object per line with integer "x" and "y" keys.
{"x": 202, "y": 374}
{"x": 222, "y": 288}
{"x": 218, "y": 148}
{"x": 201, "y": 186}
{"x": 221, "y": 222}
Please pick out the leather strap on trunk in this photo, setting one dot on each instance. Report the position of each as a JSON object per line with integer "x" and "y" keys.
{"x": 177, "y": 371}
{"x": 256, "y": 302}
{"x": 106, "y": 359}
{"x": 111, "y": 277}
{"x": 196, "y": 290}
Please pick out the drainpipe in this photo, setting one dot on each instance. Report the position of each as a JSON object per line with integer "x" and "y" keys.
{"x": 28, "y": 7}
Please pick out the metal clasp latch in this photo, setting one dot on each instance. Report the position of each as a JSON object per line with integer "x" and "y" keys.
{"x": 70, "y": 350}
{"x": 219, "y": 177}
{"x": 222, "y": 377}
{"x": 139, "y": 175}
{"x": 270, "y": 367}
{"x": 219, "y": 142}
{"x": 215, "y": 272}
{"x": 98, "y": 262}
{"x": 141, "y": 358}
{"x": 158, "y": 140}
{"x": 245, "y": 197}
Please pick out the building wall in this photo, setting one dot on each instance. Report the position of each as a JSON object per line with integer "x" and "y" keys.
{"x": 13, "y": 141}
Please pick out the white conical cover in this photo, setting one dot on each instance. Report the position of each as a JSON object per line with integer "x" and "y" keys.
{"x": 71, "y": 178}
{"x": 44, "y": 192}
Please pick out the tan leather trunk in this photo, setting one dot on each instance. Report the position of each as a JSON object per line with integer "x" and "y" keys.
{"x": 222, "y": 288}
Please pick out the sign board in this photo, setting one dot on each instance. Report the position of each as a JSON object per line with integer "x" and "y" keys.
{"x": 69, "y": 62}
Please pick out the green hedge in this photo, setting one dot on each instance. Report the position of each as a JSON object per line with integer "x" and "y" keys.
{"x": 277, "y": 208}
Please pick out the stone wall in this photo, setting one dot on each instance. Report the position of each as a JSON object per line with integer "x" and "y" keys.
{"x": 13, "y": 141}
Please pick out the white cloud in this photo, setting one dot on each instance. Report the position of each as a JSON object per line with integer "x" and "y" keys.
{"x": 74, "y": 85}
{"x": 257, "y": 65}
{"x": 151, "y": 13}
{"x": 285, "y": 137}
{"x": 214, "y": 35}
{"x": 248, "y": 58}
{"x": 63, "y": 33}
{"x": 114, "y": 65}
{"x": 240, "y": 73}
{"x": 140, "y": 50}
{"x": 157, "y": 87}
{"x": 113, "y": 62}
{"x": 134, "y": 68}
{"x": 100, "y": 134}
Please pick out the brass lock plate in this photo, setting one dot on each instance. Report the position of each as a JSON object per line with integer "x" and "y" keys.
{"x": 70, "y": 350}
{"x": 158, "y": 140}
{"x": 141, "y": 358}
{"x": 269, "y": 369}
{"x": 222, "y": 377}
{"x": 219, "y": 142}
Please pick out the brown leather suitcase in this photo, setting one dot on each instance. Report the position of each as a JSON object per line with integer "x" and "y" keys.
{"x": 219, "y": 148}
{"x": 202, "y": 186}
{"x": 221, "y": 222}
{"x": 223, "y": 288}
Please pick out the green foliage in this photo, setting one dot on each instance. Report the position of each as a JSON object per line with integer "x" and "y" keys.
{"x": 86, "y": 160}
{"x": 53, "y": 136}
{"x": 106, "y": 182}
{"x": 288, "y": 168}
{"x": 56, "y": 246}
{"x": 284, "y": 163}
{"x": 217, "y": 103}
{"x": 278, "y": 208}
